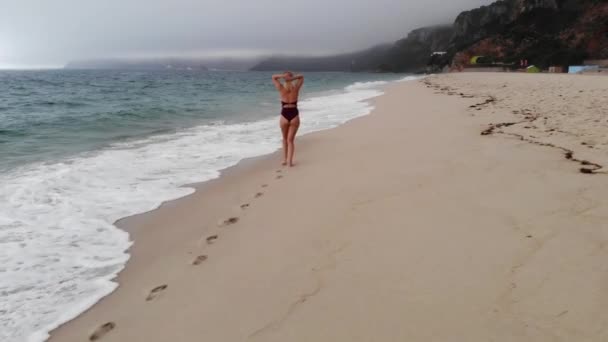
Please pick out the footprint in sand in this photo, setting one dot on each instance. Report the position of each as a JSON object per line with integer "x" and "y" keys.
{"x": 264, "y": 185}
{"x": 199, "y": 260}
{"x": 211, "y": 239}
{"x": 279, "y": 177}
{"x": 101, "y": 331}
{"x": 156, "y": 292}
{"x": 229, "y": 221}
{"x": 244, "y": 206}
{"x": 279, "y": 171}
{"x": 259, "y": 194}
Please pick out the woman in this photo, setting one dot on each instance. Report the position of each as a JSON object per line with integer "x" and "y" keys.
{"x": 290, "y": 118}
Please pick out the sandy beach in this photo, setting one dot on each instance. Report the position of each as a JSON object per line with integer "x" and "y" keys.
{"x": 408, "y": 224}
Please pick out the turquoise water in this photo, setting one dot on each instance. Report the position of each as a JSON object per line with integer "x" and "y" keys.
{"x": 82, "y": 149}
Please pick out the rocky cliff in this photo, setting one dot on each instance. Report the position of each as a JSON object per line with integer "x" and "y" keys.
{"x": 544, "y": 32}
{"x": 476, "y": 24}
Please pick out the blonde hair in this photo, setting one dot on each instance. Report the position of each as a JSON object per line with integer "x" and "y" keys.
{"x": 288, "y": 83}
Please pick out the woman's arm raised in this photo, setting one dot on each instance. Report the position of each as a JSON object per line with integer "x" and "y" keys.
{"x": 276, "y": 80}
{"x": 300, "y": 79}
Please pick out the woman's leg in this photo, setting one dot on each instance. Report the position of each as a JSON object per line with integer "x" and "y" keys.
{"x": 284, "y": 124}
{"x": 291, "y": 137}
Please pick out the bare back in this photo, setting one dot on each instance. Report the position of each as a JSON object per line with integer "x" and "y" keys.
{"x": 290, "y": 95}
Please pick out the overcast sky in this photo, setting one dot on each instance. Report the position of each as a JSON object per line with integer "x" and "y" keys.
{"x": 53, "y": 32}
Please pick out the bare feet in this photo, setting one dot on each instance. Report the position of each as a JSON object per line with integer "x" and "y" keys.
{"x": 292, "y": 164}
{"x": 156, "y": 292}
{"x": 101, "y": 331}
{"x": 199, "y": 260}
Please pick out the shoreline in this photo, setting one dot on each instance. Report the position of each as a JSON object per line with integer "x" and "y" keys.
{"x": 167, "y": 272}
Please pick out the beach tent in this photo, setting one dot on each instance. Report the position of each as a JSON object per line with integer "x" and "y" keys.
{"x": 476, "y": 59}
{"x": 532, "y": 69}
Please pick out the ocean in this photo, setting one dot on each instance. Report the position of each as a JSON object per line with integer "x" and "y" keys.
{"x": 82, "y": 149}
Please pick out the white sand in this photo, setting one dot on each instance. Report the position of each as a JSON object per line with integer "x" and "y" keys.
{"x": 565, "y": 110}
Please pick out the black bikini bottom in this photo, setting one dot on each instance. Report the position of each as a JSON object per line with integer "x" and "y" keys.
{"x": 290, "y": 113}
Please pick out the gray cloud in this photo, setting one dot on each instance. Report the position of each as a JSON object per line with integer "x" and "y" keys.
{"x": 43, "y": 32}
